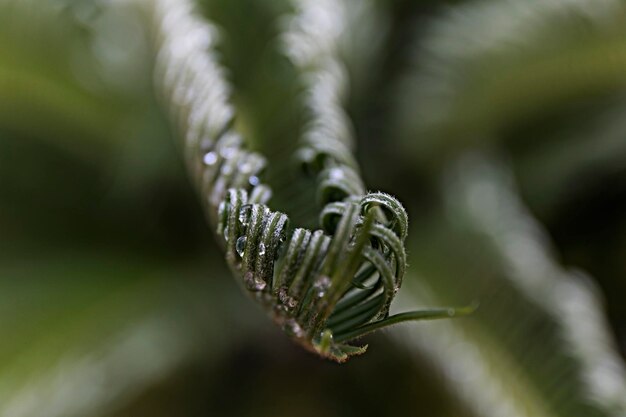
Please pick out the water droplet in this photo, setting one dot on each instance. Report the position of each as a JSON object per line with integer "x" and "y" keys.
{"x": 336, "y": 174}
{"x": 287, "y": 301}
{"x": 292, "y": 328}
{"x": 246, "y": 167}
{"x": 254, "y": 180}
{"x": 227, "y": 169}
{"x": 261, "y": 249}
{"x": 322, "y": 284}
{"x": 451, "y": 312}
{"x": 226, "y": 231}
{"x": 210, "y": 158}
{"x": 253, "y": 283}
{"x": 244, "y": 214}
{"x": 228, "y": 152}
{"x": 240, "y": 246}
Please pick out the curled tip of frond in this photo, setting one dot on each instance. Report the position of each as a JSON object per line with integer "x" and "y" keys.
{"x": 323, "y": 287}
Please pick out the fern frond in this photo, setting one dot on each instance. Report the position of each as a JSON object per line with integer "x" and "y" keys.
{"x": 324, "y": 288}
{"x": 539, "y": 345}
{"x": 485, "y": 65}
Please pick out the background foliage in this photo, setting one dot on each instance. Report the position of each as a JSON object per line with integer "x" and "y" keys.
{"x": 499, "y": 124}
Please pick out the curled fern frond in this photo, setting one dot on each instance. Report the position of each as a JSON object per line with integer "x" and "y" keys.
{"x": 324, "y": 287}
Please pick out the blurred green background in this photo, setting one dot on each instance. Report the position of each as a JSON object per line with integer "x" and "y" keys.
{"x": 501, "y": 125}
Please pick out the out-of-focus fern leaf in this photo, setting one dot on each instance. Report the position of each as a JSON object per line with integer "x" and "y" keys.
{"x": 584, "y": 152}
{"x": 72, "y": 71}
{"x": 540, "y": 344}
{"x": 84, "y": 333}
{"x": 85, "y": 329}
{"x": 486, "y": 64}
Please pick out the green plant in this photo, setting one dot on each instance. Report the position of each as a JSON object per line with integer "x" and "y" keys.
{"x": 498, "y": 124}
{"x": 326, "y": 287}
